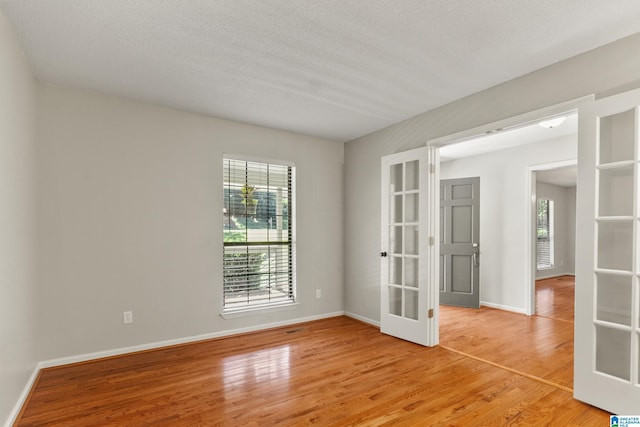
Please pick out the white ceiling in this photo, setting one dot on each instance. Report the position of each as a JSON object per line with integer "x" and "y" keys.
{"x": 566, "y": 176}
{"x": 522, "y": 135}
{"x": 530, "y": 133}
{"x": 333, "y": 68}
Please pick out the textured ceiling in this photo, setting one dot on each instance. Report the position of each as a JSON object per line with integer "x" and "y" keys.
{"x": 333, "y": 68}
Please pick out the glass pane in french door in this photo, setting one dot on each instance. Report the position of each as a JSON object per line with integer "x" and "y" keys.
{"x": 613, "y": 298}
{"x": 616, "y": 184}
{"x": 404, "y": 238}
{"x": 617, "y": 137}
{"x": 615, "y": 245}
{"x": 613, "y": 350}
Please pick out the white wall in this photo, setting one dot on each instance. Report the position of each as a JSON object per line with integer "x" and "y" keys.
{"x": 130, "y": 219}
{"x": 18, "y": 263}
{"x": 604, "y": 71}
{"x": 564, "y": 206}
{"x": 504, "y": 200}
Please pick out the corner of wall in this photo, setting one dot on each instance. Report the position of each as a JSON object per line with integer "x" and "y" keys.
{"x": 18, "y": 266}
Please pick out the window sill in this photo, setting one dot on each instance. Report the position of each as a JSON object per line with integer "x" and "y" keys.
{"x": 549, "y": 267}
{"x": 252, "y": 311}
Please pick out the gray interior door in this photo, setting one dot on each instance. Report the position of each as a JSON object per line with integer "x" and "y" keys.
{"x": 459, "y": 242}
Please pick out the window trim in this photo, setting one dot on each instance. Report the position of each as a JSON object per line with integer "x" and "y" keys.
{"x": 252, "y": 311}
{"x": 248, "y": 310}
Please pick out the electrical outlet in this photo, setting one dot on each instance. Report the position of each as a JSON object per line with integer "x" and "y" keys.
{"x": 127, "y": 317}
{"x": 318, "y": 293}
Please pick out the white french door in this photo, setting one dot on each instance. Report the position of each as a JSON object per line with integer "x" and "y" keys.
{"x": 607, "y": 309}
{"x": 408, "y": 250}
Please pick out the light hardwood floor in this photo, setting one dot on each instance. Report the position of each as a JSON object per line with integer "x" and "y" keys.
{"x": 555, "y": 298}
{"x": 540, "y": 346}
{"x": 332, "y": 372}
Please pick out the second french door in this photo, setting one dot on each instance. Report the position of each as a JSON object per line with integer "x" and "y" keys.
{"x": 607, "y": 314}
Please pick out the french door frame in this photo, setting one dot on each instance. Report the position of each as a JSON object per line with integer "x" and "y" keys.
{"x": 590, "y": 384}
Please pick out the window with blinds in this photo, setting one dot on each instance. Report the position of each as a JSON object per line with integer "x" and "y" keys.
{"x": 544, "y": 231}
{"x": 259, "y": 255}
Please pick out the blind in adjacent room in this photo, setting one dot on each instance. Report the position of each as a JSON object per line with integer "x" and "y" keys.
{"x": 544, "y": 232}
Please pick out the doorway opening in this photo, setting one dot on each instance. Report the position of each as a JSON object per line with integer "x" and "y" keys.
{"x": 552, "y": 193}
{"x": 508, "y": 160}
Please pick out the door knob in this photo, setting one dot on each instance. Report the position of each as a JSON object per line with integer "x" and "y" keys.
{"x": 476, "y": 263}
{"x": 383, "y": 254}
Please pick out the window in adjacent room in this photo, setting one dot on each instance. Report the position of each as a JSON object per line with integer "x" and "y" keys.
{"x": 544, "y": 231}
{"x": 259, "y": 235}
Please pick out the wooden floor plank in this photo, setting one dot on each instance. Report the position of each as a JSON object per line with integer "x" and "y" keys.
{"x": 335, "y": 371}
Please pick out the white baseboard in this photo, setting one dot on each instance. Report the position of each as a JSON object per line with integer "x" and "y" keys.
{"x": 551, "y": 276}
{"x": 363, "y": 319}
{"x": 13, "y": 415}
{"x": 518, "y": 310}
{"x": 149, "y": 346}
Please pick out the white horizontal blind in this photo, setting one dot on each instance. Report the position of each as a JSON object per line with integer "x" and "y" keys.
{"x": 544, "y": 232}
{"x": 258, "y": 256}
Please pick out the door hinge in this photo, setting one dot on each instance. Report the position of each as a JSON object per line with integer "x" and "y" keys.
{"x": 432, "y": 168}
{"x": 432, "y": 241}
{"x": 430, "y": 313}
